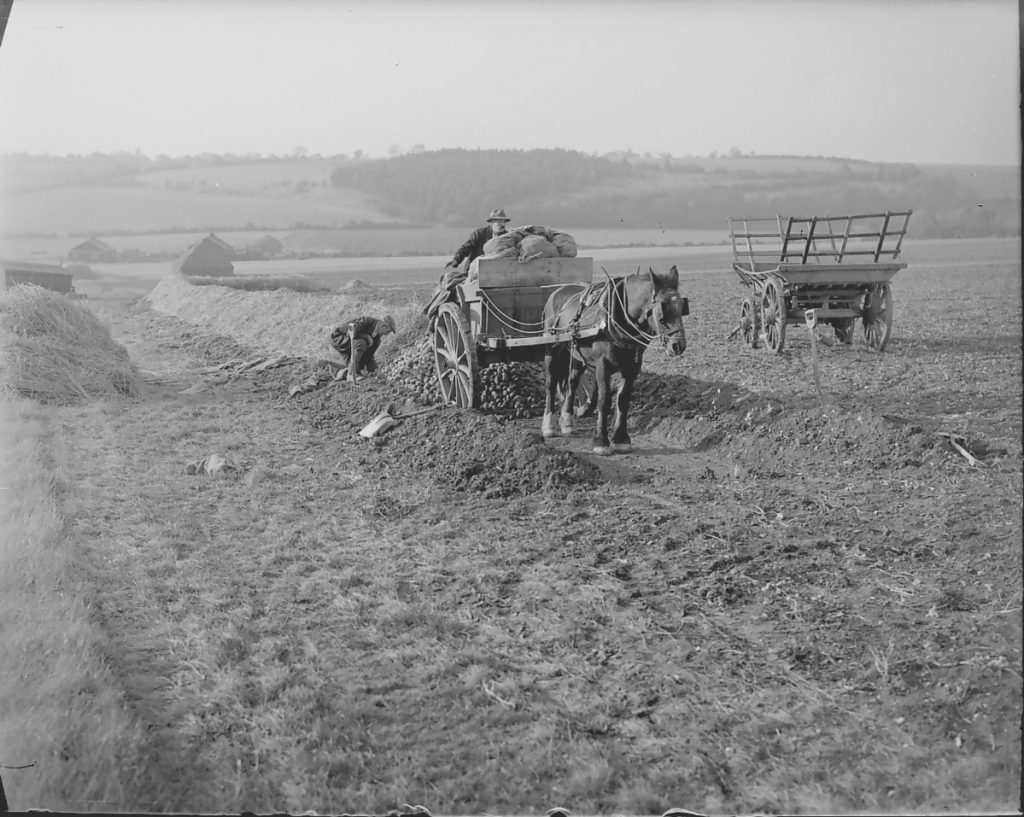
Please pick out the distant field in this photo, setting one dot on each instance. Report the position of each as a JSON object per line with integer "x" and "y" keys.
{"x": 355, "y": 242}
{"x": 102, "y": 209}
{"x": 249, "y": 177}
{"x": 921, "y": 256}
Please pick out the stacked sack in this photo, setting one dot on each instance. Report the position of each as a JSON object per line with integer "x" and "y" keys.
{"x": 530, "y": 242}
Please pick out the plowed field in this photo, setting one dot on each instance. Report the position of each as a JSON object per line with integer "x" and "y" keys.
{"x": 784, "y": 600}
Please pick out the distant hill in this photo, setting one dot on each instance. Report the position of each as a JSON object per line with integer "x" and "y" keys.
{"x": 631, "y": 191}
{"x": 110, "y": 194}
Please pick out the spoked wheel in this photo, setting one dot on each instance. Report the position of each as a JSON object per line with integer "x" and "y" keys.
{"x": 773, "y": 316}
{"x": 877, "y": 319}
{"x": 843, "y": 327}
{"x": 458, "y": 372}
{"x": 750, "y": 323}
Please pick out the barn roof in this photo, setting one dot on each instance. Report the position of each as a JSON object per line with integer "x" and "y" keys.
{"x": 206, "y": 257}
{"x": 94, "y": 244}
{"x": 220, "y": 242}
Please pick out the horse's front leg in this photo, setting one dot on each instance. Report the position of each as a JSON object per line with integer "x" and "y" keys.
{"x": 567, "y": 418}
{"x": 552, "y": 377}
{"x": 621, "y": 442}
{"x": 602, "y": 384}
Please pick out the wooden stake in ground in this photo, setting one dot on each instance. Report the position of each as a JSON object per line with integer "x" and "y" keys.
{"x": 812, "y": 321}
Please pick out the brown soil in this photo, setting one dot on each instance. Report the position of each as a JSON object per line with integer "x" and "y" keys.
{"x": 779, "y": 601}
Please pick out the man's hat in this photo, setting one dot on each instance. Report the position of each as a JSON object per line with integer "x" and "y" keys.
{"x": 498, "y": 215}
{"x": 387, "y": 322}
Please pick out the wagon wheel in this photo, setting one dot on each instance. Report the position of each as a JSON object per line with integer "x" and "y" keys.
{"x": 843, "y": 327}
{"x": 750, "y": 323}
{"x": 773, "y": 316}
{"x": 877, "y": 318}
{"x": 458, "y": 372}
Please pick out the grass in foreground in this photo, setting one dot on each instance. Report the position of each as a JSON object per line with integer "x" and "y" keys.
{"x": 60, "y": 706}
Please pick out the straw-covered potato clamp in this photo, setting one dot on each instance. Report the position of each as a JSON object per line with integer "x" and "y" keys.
{"x": 56, "y": 351}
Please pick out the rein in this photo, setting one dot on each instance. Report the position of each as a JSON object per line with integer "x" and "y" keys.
{"x": 627, "y": 331}
{"x": 635, "y": 333}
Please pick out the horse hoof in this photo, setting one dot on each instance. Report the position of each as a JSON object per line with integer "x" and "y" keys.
{"x": 550, "y": 432}
{"x": 566, "y": 427}
{"x": 603, "y": 450}
{"x": 622, "y": 448}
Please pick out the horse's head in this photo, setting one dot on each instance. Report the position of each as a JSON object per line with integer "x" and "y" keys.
{"x": 665, "y": 310}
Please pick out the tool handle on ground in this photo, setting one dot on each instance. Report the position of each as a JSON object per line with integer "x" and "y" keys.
{"x": 420, "y": 411}
{"x": 812, "y": 320}
{"x": 351, "y": 353}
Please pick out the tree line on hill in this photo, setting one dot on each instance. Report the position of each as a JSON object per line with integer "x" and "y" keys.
{"x": 570, "y": 189}
{"x": 459, "y": 187}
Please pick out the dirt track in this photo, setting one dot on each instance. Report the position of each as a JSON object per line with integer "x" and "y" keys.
{"x": 814, "y": 594}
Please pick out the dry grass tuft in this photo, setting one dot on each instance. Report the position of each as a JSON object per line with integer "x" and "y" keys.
{"x": 57, "y": 351}
{"x": 60, "y": 707}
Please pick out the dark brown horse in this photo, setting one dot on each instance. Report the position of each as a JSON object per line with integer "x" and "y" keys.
{"x": 632, "y": 312}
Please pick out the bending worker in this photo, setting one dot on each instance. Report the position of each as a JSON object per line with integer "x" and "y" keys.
{"x": 357, "y": 342}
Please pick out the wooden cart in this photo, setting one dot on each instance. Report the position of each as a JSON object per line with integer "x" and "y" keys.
{"x": 497, "y": 315}
{"x": 832, "y": 269}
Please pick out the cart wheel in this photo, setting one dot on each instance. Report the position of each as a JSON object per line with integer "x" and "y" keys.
{"x": 773, "y": 316}
{"x": 750, "y": 323}
{"x": 458, "y": 372}
{"x": 877, "y": 319}
{"x": 843, "y": 327}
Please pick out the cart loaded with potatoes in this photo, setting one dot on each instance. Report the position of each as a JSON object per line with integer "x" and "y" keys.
{"x": 493, "y": 311}
{"x": 832, "y": 270}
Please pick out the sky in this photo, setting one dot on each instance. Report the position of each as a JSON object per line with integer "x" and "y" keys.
{"x": 922, "y": 81}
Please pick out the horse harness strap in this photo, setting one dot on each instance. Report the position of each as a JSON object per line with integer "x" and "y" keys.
{"x": 588, "y": 298}
{"x": 649, "y": 306}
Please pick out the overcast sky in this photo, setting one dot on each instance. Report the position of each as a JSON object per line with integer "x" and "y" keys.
{"x": 893, "y": 80}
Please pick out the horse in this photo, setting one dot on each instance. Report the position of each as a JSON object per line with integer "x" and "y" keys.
{"x": 635, "y": 311}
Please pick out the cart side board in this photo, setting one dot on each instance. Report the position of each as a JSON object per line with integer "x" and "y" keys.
{"x": 822, "y": 274}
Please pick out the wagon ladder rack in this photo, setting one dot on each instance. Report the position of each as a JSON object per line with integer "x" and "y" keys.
{"x": 759, "y": 243}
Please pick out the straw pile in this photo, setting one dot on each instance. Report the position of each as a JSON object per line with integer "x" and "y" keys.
{"x": 56, "y": 351}
{"x": 258, "y": 283}
{"x": 281, "y": 321}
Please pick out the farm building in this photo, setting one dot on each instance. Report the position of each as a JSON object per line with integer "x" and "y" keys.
{"x": 266, "y": 247}
{"x": 93, "y": 250}
{"x": 207, "y": 257}
{"x": 49, "y": 276}
{"x": 220, "y": 242}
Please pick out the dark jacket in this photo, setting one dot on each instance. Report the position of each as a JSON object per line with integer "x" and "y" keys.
{"x": 365, "y": 327}
{"x": 474, "y": 246}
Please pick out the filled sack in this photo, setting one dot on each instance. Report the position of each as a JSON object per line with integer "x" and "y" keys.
{"x": 536, "y": 246}
{"x": 565, "y": 244}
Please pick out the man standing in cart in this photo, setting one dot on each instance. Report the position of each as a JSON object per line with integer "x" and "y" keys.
{"x": 497, "y": 224}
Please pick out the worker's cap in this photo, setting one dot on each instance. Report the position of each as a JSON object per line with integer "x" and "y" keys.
{"x": 498, "y": 215}
{"x": 387, "y": 324}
